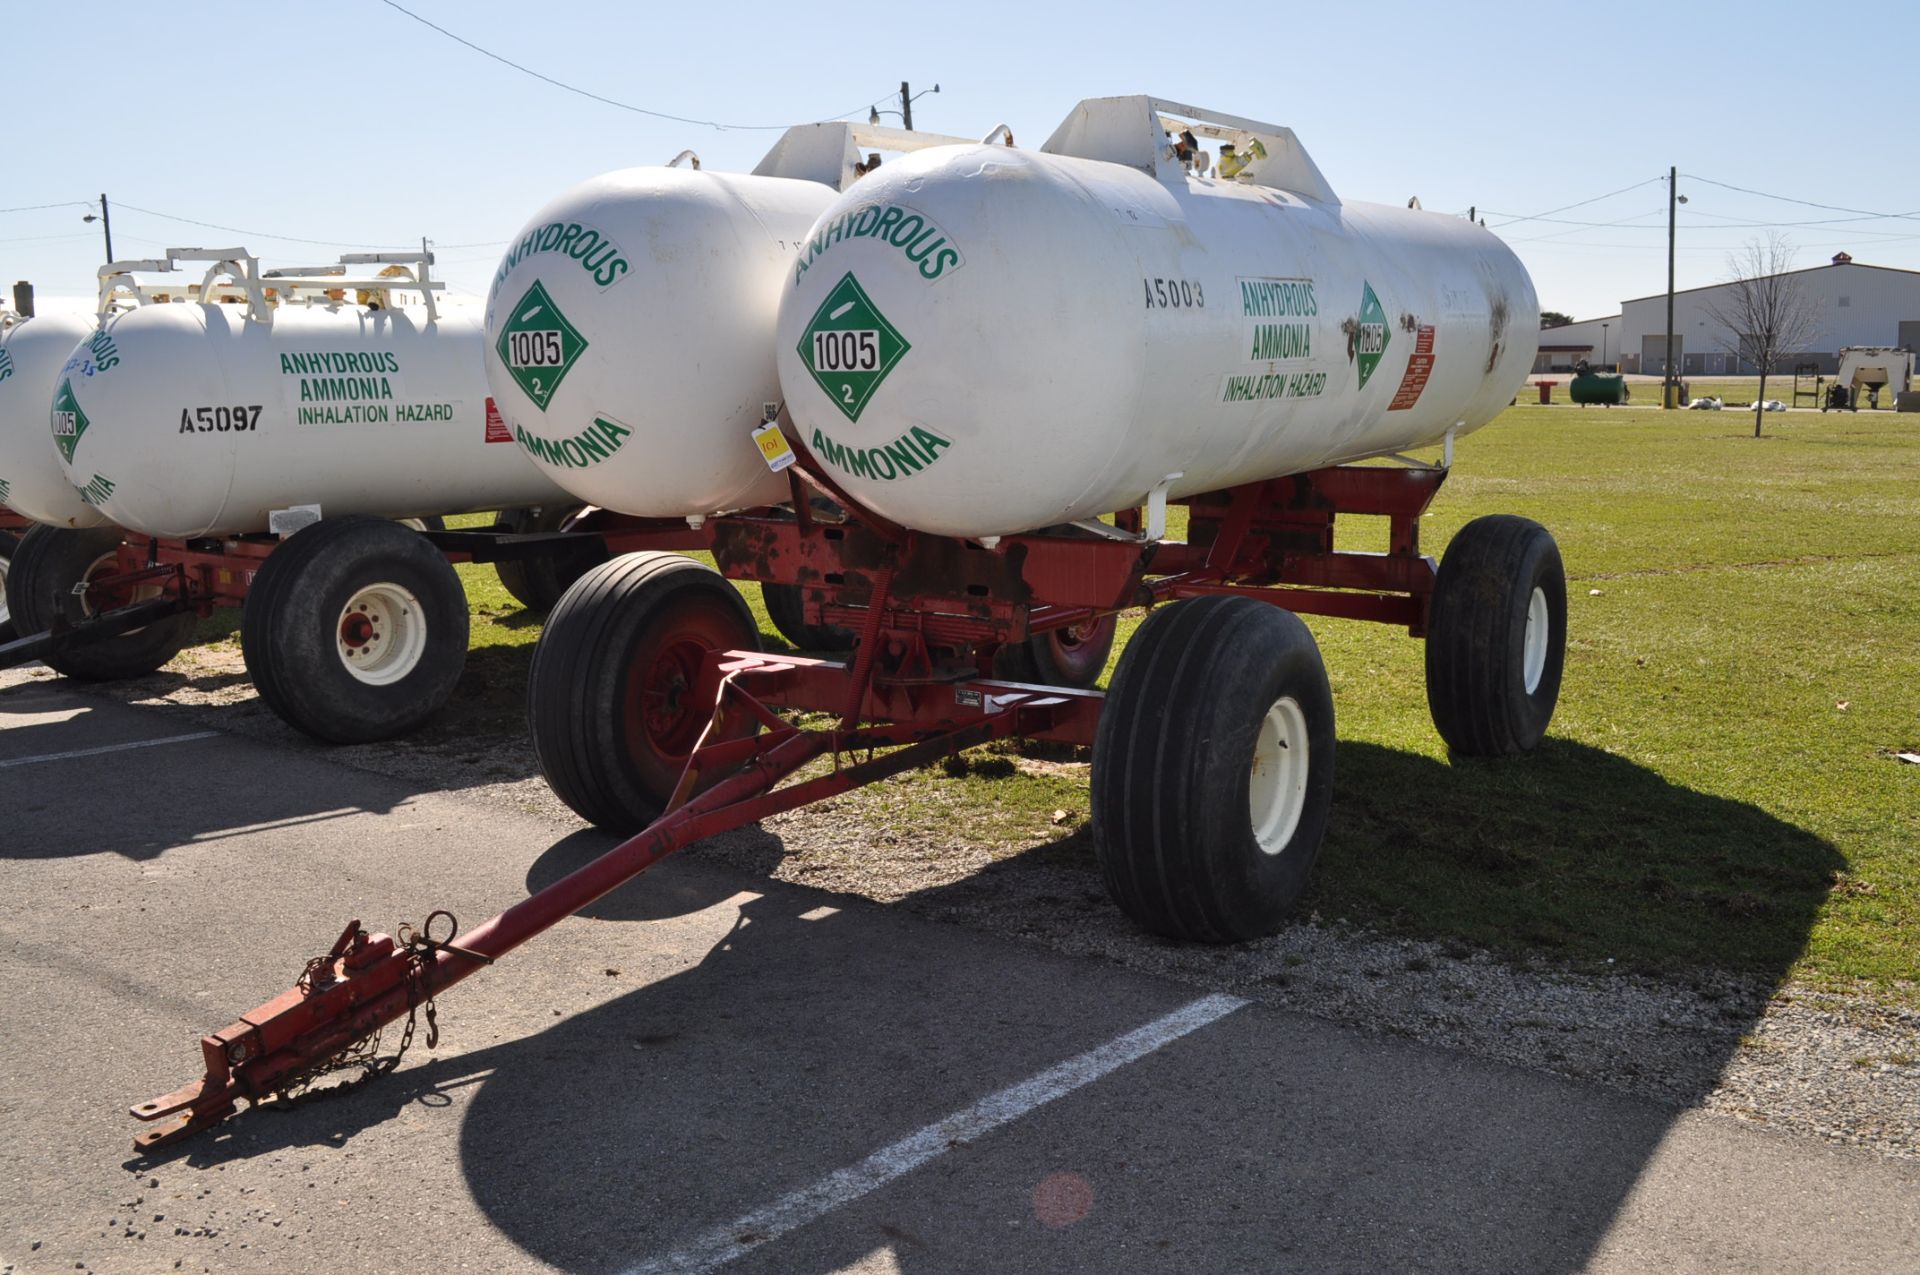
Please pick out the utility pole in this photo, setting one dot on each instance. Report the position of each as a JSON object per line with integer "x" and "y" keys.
{"x": 906, "y": 106}
{"x": 105, "y": 225}
{"x": 1673, "y": 193}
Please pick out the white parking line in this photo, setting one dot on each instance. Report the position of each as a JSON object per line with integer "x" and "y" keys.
{"x": 723, "y": 1244}
{"x": 107, "y": 748}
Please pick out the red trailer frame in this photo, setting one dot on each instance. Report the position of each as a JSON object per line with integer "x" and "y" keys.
{"x": 929, "y": 613}
{"x": 154, "y": 577}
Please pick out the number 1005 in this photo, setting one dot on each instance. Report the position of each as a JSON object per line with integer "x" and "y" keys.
{"x": 534, "y": 349}
{"x": 846, "y": 351}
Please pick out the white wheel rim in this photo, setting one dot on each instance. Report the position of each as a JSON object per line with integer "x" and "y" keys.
{"x": 1533, "y": 654}
{"x": 381, "y": 634}
{"x": 1277, "y": 787}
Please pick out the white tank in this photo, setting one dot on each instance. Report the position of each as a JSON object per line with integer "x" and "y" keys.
{"x": 188, "y": 419}
{"x": 630, "y": 324}
{"x": 32, "y": 483}
{"x": 978, "y": 341}
{"x": 630, "y": 335}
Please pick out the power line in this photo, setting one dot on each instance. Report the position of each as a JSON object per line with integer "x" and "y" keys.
{"x": 65, "y": 203}
{"x": 1568, "y": 207}
{"x": 1723, "y": 222}
{"x": 252, "y": 234}
{"x": 1708, "y": 247}
{"x": 1789, "y": 199}
{"x": 1622, "y": 224}
{"x": 83, "y": 234}
{"x": 1818, "y": 221}
{"x": 261, "y": 234}
{"x": 607, "y": 101}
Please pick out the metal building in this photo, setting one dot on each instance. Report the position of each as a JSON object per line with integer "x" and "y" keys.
{"x": 1854, "y": 305}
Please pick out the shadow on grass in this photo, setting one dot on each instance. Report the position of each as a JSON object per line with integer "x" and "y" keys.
{"x": 1572, "y": 850}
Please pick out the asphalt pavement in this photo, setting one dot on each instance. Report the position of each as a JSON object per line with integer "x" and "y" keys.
{"x": 713, "y": 1070}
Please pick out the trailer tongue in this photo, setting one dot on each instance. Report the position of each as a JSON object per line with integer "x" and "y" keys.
{"x": 330, "y": 1020}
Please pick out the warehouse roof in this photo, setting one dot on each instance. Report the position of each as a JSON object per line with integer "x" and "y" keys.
{"x": 1858, "y": 265}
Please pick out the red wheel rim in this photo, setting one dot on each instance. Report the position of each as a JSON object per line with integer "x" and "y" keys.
{"x": 1079, "y": 650}
{"x": 661, "y": 717}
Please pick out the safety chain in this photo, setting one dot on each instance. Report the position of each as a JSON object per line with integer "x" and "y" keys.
{"x": 364, "y": 1053}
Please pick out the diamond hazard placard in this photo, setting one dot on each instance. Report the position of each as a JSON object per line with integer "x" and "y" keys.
{"x": 850, "y": 347}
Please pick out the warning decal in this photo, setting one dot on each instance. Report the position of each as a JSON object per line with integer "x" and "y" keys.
{"x": 1419, "y": 368}
{"x": 497, "y": 431}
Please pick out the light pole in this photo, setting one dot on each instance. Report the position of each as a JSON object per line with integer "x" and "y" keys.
{"x": 1603, "y": 347}
{"x": 905, "y": 112}
{"x": 106, "y": 223}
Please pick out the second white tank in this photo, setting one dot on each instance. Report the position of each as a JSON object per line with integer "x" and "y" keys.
{"x": 630, "y": 329}
{"x": 32, "y": 482}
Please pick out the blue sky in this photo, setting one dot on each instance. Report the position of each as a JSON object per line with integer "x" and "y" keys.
{"x": 350, "y": 123}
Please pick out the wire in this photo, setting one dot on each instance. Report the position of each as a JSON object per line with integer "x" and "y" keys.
{"x": 1818, "y": 221}
{"x": 65, "y": 203}
{"x": 1788, "y": 199}
{"x": 78, "y": 234}
{"x": 255, "y": 234}
{"x": 607, "y": 101}
{"x": 1564, "y": 207}
{"x": 1624, "y": 223}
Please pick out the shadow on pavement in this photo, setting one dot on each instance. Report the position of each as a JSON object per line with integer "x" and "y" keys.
{"x": 804, "y": 1041}
{"x": 177, "y": 782}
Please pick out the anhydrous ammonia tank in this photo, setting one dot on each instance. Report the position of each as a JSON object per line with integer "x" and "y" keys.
{"x": 978, "y": 341}
{"x": 630, "y": 335}
{"x": 189, "y": 419}
{"x": 32, "y": 483}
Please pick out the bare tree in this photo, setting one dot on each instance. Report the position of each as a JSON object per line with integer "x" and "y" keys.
{"x": 1763, "y": 311}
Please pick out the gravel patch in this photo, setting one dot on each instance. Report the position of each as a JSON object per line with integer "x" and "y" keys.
{"x": 1843, "y": 1067}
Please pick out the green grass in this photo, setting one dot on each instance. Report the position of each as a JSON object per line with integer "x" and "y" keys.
{"x": 1704, "y": 798}
{"x": 1718, "y": 788}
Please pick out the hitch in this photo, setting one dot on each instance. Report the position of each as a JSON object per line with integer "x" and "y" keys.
{"x": 330, "y": 1019}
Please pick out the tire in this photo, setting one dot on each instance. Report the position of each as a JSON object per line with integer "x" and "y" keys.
{"x": 1205, "y": 720}
{"x": 355, "y": 629}
{"x": 787, "y": 610}
{"x": 1072, "y": 657}
{"x": 1497, "y": 637}
{"x": 537, "y": 583}
{"x": 8, "y": 543}
{"x": 607, "y": 700}
{"x": 46, "y": 566}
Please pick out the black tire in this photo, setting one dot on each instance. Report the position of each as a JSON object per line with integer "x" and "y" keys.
{"x": 537, "y": 583}
{"x": 607, "y": 700}
{"x": 295, "y": 630}
{"x": 1478, "y": 668}
{"x": 1185, "y": 723}
{"x": 46, "y": 566}
{"x": 1072, "y": 657}
{"x": 786, "y": 608}
{"x": 8, "y": 543}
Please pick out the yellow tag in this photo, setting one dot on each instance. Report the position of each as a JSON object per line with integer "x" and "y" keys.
{"x": 773, "y": 446}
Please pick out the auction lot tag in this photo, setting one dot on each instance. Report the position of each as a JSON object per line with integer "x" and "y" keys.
{"x": 773, "y": 446}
